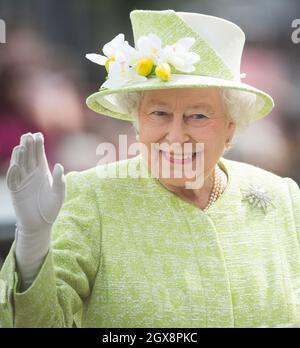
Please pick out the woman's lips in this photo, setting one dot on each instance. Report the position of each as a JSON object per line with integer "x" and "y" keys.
{"x": 178, "y": 159}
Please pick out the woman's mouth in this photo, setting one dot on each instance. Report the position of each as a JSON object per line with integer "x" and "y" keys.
{"x": 178, "y": 158}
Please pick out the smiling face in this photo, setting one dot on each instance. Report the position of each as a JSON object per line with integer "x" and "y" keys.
{"x": 175, "y": 117}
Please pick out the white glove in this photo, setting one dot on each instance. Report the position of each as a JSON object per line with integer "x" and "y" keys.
{"x": 37, "y": 197}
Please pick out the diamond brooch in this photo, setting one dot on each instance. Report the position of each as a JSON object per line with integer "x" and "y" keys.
{"x": 257, "y": 196}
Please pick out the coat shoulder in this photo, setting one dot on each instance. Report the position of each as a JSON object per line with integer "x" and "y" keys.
{"x": 249, "y": 171}
{"x": 246, "y": 173}
{"x": 109, "y": 177}
{"x": 112, "y": 170}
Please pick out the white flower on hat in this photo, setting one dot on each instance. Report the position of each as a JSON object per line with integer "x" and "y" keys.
{"x": 149, "y": 46}
{"x": 179, "y": 56}
{"x": 126, "y": 64}
{"x": 152, "y": 53}
{"x": 121, "y": 73}
{"x": 110, "y": 49}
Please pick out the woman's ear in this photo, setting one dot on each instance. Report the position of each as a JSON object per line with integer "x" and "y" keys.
{"x": 230, "y": 130}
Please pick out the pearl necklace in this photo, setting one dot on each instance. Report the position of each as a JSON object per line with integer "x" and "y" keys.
{"x": 217, "y": 187}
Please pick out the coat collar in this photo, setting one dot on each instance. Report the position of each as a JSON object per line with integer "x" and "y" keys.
{"x": 242, "y": 191}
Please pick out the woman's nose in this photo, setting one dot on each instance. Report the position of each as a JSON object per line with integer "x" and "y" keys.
{"x": 176, "y": 132}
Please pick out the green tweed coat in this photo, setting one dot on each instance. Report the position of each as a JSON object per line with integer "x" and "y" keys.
{"x": 126, "y": 252}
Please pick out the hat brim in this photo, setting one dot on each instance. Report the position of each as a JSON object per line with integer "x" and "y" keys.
{"x": 105, "y": 103}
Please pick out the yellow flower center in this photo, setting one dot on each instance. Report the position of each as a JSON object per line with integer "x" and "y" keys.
{"x": 144, "y": 66}
{"x": 163, "y": 71}
{"x": 110, "y": 59}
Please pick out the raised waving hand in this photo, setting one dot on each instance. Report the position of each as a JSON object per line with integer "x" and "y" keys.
{"x": 37, "y": 196}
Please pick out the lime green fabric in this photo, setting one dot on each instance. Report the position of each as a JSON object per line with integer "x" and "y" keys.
{"x": 126, "y": 252}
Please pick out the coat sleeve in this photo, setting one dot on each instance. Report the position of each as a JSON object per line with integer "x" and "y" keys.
{"x": 294, "y": 192}
{"x": 67, "y": 274}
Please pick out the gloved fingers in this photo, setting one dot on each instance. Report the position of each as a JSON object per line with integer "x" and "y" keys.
{"x": 20, "y": 155}
{"x": 21, "y": 162}
{"x": 13, "y": 177}
{"x": 40, "y": 151}
{"x": 23, "y": 142}
{"x": 59, "y": 183}
{"x": 30, "y": 162}
{"x": 16, "y": 172}
{"x": 30, "y": 153}
{"x": 15, "y": 155}
{"x": 24, "y": 138}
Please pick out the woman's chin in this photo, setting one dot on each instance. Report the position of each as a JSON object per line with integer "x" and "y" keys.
{"x": 177, "y": 182}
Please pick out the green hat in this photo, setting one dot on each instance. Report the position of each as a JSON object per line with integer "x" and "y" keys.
{"x": 173, "y": 50}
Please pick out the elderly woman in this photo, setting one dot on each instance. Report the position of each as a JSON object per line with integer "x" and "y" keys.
{"x": 150, "y": 250}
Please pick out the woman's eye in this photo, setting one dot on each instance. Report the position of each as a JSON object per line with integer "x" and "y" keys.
{"x": 159, "y": 113}
{"x": 197, "y": 116}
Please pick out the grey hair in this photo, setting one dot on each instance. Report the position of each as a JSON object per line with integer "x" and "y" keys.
{"x": 236, "y": 102}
